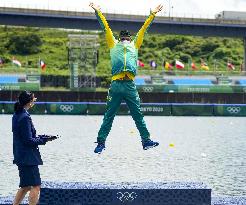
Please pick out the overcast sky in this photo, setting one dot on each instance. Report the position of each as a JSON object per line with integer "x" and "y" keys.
{"x": 195, "y": 8}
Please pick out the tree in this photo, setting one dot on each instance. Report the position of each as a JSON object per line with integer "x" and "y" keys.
{"x": 172, "y": 42}
{"x": 24, "y": 44}
{"x": 209, "y": 46}
{"x": 185, "y": 58}
{"x": 221, "y": 53}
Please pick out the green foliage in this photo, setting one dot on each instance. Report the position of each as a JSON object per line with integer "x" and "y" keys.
{"x": 172, "y": 42}
{"x": 209, "y": 47}
{"x": 24, "y": 44}
{"x": 186, "y": 58}
{"x": 28, "y": 45}
{"x": 221, "y": 53}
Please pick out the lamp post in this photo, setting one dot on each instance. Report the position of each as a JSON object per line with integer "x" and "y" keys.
{"x": 169, "y": 7}
{"x": 215, "y": 66}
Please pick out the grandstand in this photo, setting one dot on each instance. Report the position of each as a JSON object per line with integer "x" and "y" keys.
{"x": 144, "y": 83}
{"x": 190, "y": 80}
{"x": 242, "y": 82}
{"x": 239, "y": 80}
{"x": 210, "y": 83}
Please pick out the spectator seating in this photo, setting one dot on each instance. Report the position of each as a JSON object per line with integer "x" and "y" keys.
{"x": 142, "y": 80}
{"x": 8, "y": 79}
{"x": 12, "y": 78}
{"x": 242, "y": 82}
{"x": 191, "y": 81}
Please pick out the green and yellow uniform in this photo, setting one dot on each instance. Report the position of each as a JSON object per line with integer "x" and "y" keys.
{"x": 124, "y": 68}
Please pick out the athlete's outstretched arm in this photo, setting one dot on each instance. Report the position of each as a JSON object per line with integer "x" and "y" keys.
{"x": 140, "y": 35}
{"x": 104, "y": 24}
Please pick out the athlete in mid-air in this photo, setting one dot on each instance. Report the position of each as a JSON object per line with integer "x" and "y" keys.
{"x": 124, "y": 56}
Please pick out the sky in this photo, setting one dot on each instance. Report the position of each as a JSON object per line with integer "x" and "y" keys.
{"x": 181, "y": 8}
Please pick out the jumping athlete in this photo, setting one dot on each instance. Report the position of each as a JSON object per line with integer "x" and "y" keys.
{"x": 124, "y": 56}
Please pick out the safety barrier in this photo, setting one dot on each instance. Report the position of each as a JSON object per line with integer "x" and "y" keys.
{"x": 39, "y": 108}
{"x": 152, "y": 109}
{"x": 66, "y": 108}
{"x": 156, "y": 109}
{"x": 192, "y": 110}
{"x": 147, "y": 109}
{"x": 230, "y": 110}
{"x": 96, "y": 108}
{"x": 1, "y": 108}
{"x": 7, "y": 107}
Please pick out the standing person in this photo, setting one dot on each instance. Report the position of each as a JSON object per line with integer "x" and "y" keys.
{"x": 25, "y": 149}
{"x": 124, "y": 56}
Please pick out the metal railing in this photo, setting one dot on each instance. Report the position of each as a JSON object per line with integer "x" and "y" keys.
{"x": 8, "y": 69}
{"x": 191, "y": 72}
{"x": 119, "y": 15}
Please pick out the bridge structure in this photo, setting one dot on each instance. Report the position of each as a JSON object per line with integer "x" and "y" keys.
{"x": 88, "y": 21}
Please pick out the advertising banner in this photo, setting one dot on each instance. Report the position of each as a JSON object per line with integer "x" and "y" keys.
{"x": 66, "y": 108}
{"x": 192, "y": 110}
{"x": 230, "y": 110}
{"x": 20, "y": 86}
{"x": 96, "y": 109}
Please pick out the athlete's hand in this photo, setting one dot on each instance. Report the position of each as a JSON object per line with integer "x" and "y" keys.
{"x": 158, "y": 9}
{"x": 94, "y": 6}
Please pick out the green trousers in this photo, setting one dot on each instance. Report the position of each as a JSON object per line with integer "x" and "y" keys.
{"x": 118, "y": 91}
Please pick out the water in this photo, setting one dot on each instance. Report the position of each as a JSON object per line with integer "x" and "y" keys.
{"x": 206, "y": 149}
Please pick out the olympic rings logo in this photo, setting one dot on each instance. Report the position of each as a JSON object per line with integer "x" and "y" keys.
{"x": 233, "y": 110}
{"x": 126, "y": 196}
{"x": 67, "y": 108}
{"x": 148, "y": 89}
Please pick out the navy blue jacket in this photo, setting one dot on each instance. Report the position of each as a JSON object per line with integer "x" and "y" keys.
{"x": 25, "y": 142}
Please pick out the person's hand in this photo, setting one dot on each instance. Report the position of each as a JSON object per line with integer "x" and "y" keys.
{"x": 94, "y": 6}
{"x": 158, "y": 9}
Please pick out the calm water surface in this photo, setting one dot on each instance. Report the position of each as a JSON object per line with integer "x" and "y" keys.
{"x": 206, "y": 149}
